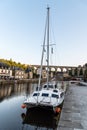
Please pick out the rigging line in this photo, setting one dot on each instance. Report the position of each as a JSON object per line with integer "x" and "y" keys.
{"x": 56, "y": 49}
{"x": 55, "y": 56}
{"x": 48, "y": 46}
{"x": 53, "y": 36}
{"x": 51, "y": 41}
{"x": 44, "y": 62}
{"x": 42, "y": 55}
{"x": 51, "y": 57}
{"x": 51, "y": 30}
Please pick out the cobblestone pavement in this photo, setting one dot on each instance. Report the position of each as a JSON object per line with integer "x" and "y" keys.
{"x": 74, "y": 112}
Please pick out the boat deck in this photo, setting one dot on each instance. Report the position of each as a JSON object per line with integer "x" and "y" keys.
{"x": 74, "y": 112}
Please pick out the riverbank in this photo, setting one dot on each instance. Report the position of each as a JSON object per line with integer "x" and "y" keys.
{"x": 3, "y": 82}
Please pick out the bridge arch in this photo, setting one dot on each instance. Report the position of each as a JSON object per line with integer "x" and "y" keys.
{"x": 63, "y": 69}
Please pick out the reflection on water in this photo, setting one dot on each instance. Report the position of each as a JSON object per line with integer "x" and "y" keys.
{"x": 7, "y": 91}
{"x": 39, "y": 118}
{"x": 13, "y": 117}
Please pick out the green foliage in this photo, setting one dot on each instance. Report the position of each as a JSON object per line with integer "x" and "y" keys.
{"x": 86, "y": 65}
{"x": 81, "y": 72}
{"x": 76, "y": 72}
{"x": 70, "y": 72}
{"x": 11, "y": 63}
{"x": 85, "y": 73}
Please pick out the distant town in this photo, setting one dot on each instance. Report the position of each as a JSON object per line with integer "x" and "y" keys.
{"x": 12, "y": 70}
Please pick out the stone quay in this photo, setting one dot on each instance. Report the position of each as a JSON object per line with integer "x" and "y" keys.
{"x": 74, "y": 111}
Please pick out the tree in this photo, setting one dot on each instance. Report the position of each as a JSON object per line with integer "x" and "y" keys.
{"x": 76, "y": 72}
{"x": 70, "y": 72}
{"x": 85, "y": 75}
{"x": 81, "y": 72}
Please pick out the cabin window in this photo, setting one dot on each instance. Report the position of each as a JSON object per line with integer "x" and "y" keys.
{"x": 36, "y": 94}
{"x": 62, "y": 94}
{"x": 50, "y": 86}
{"x": 45, "y": 86}
{"x": 45, "y": 94}
{"x": 55, "y": 96}
{"x": 56, "y": 91}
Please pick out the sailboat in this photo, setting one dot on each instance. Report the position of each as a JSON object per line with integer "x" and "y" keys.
{"x": 49, "y": 97}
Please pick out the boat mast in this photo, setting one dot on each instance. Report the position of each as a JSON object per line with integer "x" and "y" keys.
{"x": 42, "y": 58}
{"x": 42, "y": 54}
{"x": 46, "y": 32}
{"x": 48, "y": 47}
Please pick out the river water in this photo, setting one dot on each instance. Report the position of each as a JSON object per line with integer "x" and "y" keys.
{"x": 13, "y": 117}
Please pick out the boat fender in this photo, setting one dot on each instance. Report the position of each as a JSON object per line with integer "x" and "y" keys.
{"x": 23, "y": 106}
{"x": 58, "y": 110}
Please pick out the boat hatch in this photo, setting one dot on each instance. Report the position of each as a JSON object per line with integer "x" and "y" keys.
{"x": 36, "y": 94}
{"x": 45, "y": 94}
{"x": 55, "y": 96}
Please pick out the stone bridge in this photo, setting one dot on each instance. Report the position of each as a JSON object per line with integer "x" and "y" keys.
{"x": 57, "y": 69}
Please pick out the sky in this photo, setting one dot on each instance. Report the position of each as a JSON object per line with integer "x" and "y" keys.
{"x": 22, "y": 24}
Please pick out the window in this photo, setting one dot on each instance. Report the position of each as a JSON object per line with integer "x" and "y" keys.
{"x": 45, "y": 94}
{"x": 36, "y": 94}
{"x": 56, "y": 91}
{"x": 45, "y": 86}
{"x": 55, "y": 96}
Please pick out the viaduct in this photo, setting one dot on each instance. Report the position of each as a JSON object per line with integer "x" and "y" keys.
{"x": 64, "y": 69}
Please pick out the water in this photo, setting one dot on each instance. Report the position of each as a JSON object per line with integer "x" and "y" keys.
{"x": 13, "y": 117}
